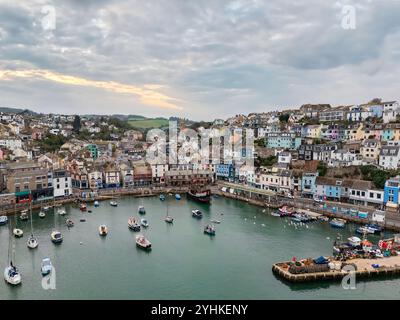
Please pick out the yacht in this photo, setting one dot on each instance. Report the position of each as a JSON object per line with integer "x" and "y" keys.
{"x": 24, "y": 215}
{"x": 133, "y": 225}
{"x": 47, "y": 267}
{"x": 162, "y": 197}
{"x": 337, "y": 223}
{"x": 56, "y": 237}
{"x": 113, "y": 203}
{"x": 32, "y": 242}
{"x": 103, "y": 230}
{"x": 12, "y": 275}
{"x": 177, "y": 196}
{"x": 144, "y": 223}
{"x": 209, "y": 229}
{"x": 18, "y": 233}
{"x": 197, "y": 214}
{"x": 169, "y": 219}
{"x": 3, "y": 220}
{"x": 42, "y": 214}
{"x": 62, "y": 211}
{"x": 141, "y": 210}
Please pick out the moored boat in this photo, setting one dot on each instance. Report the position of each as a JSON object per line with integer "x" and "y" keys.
{"x": 215, "y": 221}
{"x": 42, "y": 214}
{"x": 96, "y": 204}
{"x": 46, "y": 267}
{"x": 275, "y": 214}
{"x": 142, "y": 242}
{"x": 32, "y": 242}
{"x": 365, "y": 230}
{"x": 200, "y": 194}
{"x": 286, "y": 211}
{"x": 141, "y": 210}
{"x": 24, "y": 215}
{"x": 3, "y": 220}
{"x": 144, "y": 223}
{"x": 69, "y": 223}
{"x": 103, "y": 230}
{"x": 114, "y": 203}
{"x": 12, "y": 275}
{"x": 197, "y": 214}
{"x": 337, "y": 223}
{"x": 209, "y": 229}
{"x": 63, "y": 212}
{"x": 162, "y": 197}
{"x": 169, "y": 219}
{"x": 177, "y": 196}
{"x": 375, "y": 227}
{"x": 354, "y": 241}
{"x": 133, "y": 224}
{"x": 83, "y": 207}
{"x": 56, "y": 237}
{"x": 18, "y": 233}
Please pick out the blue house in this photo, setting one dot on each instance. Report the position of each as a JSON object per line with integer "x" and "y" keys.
{"x": 225, "y": 171}
{"x": 329, "y": 188}
{"x": 308, "y": 186}
{"x": 391, "y": 190}
{"x": 283, "y": 141}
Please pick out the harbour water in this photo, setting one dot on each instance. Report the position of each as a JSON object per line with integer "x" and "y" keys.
{"x": 184, "y": 262}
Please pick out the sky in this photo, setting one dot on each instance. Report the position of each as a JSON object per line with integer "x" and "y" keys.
{"x": 198, "y": 59}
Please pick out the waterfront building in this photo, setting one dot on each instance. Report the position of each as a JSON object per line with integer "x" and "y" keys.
{"x": 158, "y": 172}
{"x": 112, "y": 178}
{"x": 95, "y": 177}
{"x": 329, "y": 188}
{"x": 391, "y": 191}
{"x": 62, "y": 183}
{"x": 308, "y": 184}
{"x": 180, "y": 178}
{"x": 283, "y": 140}
{"x": 389, "y": 157}
{"x": 225, "y": 171}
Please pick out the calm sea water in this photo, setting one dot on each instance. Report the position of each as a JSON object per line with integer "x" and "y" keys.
{"x": 184, "y": 262}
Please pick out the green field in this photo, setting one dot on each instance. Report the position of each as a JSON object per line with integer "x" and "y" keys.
{"x": 147, "y": 123}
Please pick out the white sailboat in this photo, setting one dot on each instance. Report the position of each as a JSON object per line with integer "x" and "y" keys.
{"x": 11, "y": 273}
{"x": 168, "y": 218}
{"x": 32, "y": 242}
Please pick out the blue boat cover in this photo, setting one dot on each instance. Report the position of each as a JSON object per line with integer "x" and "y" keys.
{"x": 321, "y": 260}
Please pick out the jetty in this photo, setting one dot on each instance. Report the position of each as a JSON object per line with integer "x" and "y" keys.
{"x": 363, "y": 268}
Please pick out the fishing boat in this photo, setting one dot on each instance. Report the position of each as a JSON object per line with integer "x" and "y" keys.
{"x": 209, "y": 229}
{"x": 197, "y": 214}
{"x": 365, "y": 230}
{"x": 46, "y": 267}
{"x": 3, "y": 220}
{"x": 142, "y": 242}
{"x": 69, "y": 223}
{"x": 133, "y": 224}
{"x": 56, "y": 237}
{"x": 24, "y": 215}
{"x": 114, "y": 203}
{"x": 144, "y": 223}
{"x": 215, "y": 221}
{"x": 141, "y": 210}
{"x": 354, "y": 241}
{"x": 96, "y": 204}
{"x": 200, "y": 194}
{"x": 12, "y": 275}
{"x": 103, "y": 230}
{"x": 337, "y": 223}
{"x": 42, "y": 214}
{"x": 275, "y": 214}
{"x": 177, "y": 196}
{"x": 162, "y": 197}
{"x": 285, "y": 211}
{"x": 62, "y": 211}
{"x": 83, "y": 207}
{"x": 18, "y": 233}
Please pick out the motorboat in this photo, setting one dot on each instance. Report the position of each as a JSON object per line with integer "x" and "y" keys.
{"x": 365, "y": 230}
{"x": 354, "y": 241}
{"x": 18, "y": 233}
{"x": 141, "y": 210}
{"x": 3, "y": 220}
{"x": 215, "y": 221}
{"x": 69, "y": 223}
{"x": 114, "y": 203}
{"x": 162, "y": 197}
{"x": 24, "y": 215}
{"x": 142, "y": 242}
{"x": 275, "y": 214}
{"x": 103, "y": 230}
{"x": 83, "y": 207}
{"x": 177, "y": 196}
{"x": 133, "y": 224}
{"x": 323, "y": 218}
{"x": 46, "y": 267}
{"x": 197, "y": 214}
{"x": 285, "y": 211}
{"x": 62, "y": 211}
{"x": 144, "y": 223}
{"x": 169, "y": 219}
{"x": 209, "y": 229}
{"x": 375, "y": 227}
{"x": 42, "y": 214}
{"x": 96, "y": 204}
{"x": 337, "y": 223}
{"x": 56, "y": 237}
{"x": 12, "y": 275}
{"x": 32, "y": 242}
{"x": 47, "y": 208}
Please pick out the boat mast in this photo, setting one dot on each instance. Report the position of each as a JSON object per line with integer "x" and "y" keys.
{"x": 30, "y": 212}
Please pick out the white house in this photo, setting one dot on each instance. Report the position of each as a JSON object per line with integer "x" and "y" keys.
{"x": 389, "y": 157}
{"x": 62, "y": 183}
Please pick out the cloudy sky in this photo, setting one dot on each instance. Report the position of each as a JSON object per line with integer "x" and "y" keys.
{"x": 200, "y": 59}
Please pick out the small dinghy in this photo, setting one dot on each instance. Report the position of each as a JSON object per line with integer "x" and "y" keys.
{"x": 178, "y": 196}
{"x": 62, "y": 211}
{"x": 32, "y": 242}
{"x": 83, "y": 207}
{"x": 133, "y": 225}
{"x": 114, "y": 203}
{"x": 42, "y": 214}
{"x": 141, "y": 210}
{"x": 24, "y": 215}
{"x": 46, "y": 267}
{"x": 144, "y": 223}
{"x": 275, "y": 214}
{"x": 96, "y": 204}
{"x": 103, "y": 230}
{"x": 56, "y": 237}
{"x": 162, "y": 197}
{"x": 215, "y": 221}
{"x": 69, "y": 223}
{"x": 18, "y": 233}
{"x": 46, "y": 208}
{"x": 12, "y": 275}
{"x": 82, "y": 220}
{"x": 197, "y": 214}
{"x": 337, "y": 223}
{"x": 143, "y": 243}
{"x": 169, "y": 219}
{"x": 3, "y": 220}
{"x": 209, "y": 229}
{"x": 365, "y": 230}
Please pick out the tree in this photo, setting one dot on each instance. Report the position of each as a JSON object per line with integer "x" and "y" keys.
{"x": 284, "y": 117}
{"x": 322, "y": 169}
{"x": 77, "y": 124}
